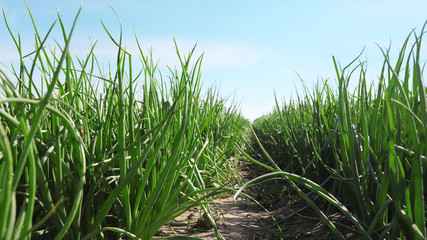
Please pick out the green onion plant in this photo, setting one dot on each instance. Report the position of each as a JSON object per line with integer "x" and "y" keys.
{"x": 363, "y": 151}
{"x": 85, "y": 154}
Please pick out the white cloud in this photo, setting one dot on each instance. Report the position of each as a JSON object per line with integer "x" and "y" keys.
{"x": 8, "y": 51}
{"x": 217, "y": 54}
{"x": 232, "y": 55}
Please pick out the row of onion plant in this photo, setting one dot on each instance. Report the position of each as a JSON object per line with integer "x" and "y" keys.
{"x": 363, "y": 150}
{"x": 85, "y": 153}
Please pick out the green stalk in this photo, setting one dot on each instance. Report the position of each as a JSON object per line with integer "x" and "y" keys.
{"x": 6, "y": 172}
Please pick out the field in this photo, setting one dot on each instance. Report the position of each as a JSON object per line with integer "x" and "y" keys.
{"x": 88, "y": 154}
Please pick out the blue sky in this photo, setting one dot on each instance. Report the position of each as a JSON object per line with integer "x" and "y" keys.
{"x": 252, "y": 49}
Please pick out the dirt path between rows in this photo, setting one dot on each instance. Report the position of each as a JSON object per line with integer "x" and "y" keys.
{"x": 244, "y": 219}
{"x": 241, "y": 219}
{"x": 235, "y": 220}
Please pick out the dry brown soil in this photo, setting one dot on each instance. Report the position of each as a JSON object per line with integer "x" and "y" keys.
{"x": 235, "y": 220}
{"x": 245, "y": 219}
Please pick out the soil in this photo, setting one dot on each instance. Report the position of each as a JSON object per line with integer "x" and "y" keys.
{"x": 235, "y": 220}
{"x": 245, "y": 219}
